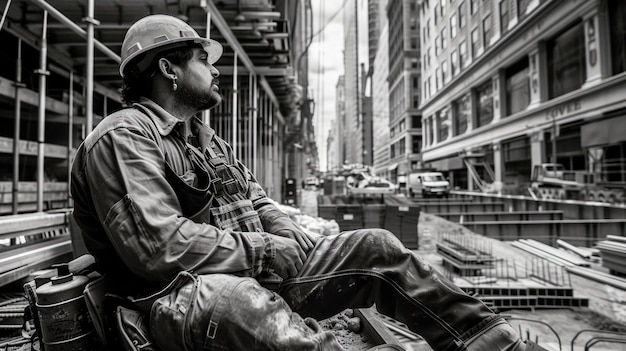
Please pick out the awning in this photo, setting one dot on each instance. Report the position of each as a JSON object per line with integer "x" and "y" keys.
{"x": 605, "y": 132}
{"x": 393, "y": 167}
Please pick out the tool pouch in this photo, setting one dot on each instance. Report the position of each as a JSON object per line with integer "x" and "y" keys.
{"x": 133, "y": 330}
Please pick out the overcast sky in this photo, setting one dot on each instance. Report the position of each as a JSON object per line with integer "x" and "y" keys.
{"x": 325, "y": 67}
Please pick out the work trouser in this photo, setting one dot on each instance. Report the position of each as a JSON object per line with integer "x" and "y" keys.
{"x": 350, "y": 270}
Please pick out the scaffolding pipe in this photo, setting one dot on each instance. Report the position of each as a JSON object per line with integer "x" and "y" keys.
{"x": 255, "y": 108}
{"x": 42, "y": 110}
{"x": 91, "y": 22}
{"x": 76, "y": 28}
{"x": 16, "y": 135}
{"x": 70, "y": 139}
{"x": 234, "y": 102}
{"x": 206, "y": 114}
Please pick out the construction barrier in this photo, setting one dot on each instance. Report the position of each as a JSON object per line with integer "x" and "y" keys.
{"x": 394, "y": 213}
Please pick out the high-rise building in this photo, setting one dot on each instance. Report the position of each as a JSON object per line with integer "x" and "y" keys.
{"x": 511, "y": 84}
{"x": 380, "y": 95}
{"x": 404, "y": 88}
{"x": 353, "y": 128}
{"x": 340, "y": 134}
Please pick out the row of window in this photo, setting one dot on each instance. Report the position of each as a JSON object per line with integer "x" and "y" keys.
{"x": 481, "y": 37}
{"x": 566, "y": 67}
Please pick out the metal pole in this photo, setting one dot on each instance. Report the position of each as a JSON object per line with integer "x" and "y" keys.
{"x": 255, "y": 115}
{"x": 18, "y": 118}
{"x": 70, "y": 139}
{"x": 76, "y": 28}
{"x": 89, "y": 65}
{"x": 248, "y": 123}
{"x": 554, "y": 140}
{"x": 42, "y": 110}
{"x": 206, "y": 114}
{"x": 234, "y": 141}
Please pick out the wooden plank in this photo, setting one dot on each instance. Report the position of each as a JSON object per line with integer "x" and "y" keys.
{"x": 26, "y": 222}
{"x": 374, "y": 328}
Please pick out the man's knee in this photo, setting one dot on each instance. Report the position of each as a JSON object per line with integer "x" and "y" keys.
{"x": 379, "y": 237}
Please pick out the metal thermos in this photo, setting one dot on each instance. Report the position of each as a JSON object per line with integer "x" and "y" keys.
{"x": 63, "y": 315}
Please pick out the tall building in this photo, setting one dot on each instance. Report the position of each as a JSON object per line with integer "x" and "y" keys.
{"x": 340, "y": 132}
{"x": 380, "y": 96}
{"x": 508, "y": 85}
{"x": 404, "y": 88}
{"x": 353, "y": 128}
{"x": 331, "y": 146}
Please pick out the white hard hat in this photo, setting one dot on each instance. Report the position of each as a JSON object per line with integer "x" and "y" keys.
{"x": 155, "y": 33}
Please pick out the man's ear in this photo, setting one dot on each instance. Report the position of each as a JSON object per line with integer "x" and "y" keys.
{"x": 166, "y": 68}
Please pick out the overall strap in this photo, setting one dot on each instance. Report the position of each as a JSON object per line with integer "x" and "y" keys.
{"x": 224, "y": 182}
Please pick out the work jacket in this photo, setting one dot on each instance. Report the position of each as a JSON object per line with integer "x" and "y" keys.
{"x": 151, "y": 204}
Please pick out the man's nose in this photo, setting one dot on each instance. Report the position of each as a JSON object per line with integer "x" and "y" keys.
{"x": 214, "y": 72}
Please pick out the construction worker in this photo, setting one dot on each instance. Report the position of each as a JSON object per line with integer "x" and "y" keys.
{"x": 175, "y": 221}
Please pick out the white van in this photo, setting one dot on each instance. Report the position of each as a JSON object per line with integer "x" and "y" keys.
{"x": 427, "y": 184}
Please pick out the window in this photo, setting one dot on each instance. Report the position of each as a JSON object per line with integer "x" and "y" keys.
{"x": 462, "y": 19}
{"x": 435, "y": 14}
{"x": 475, "y": 43}
{"x": 566, "y": 61}
{"x": 416, "y": 121}
{"x": 414, "y": 63}
{"x": 444, "y": 72}
{"x": 429, "y": 130}
{"x": 461, "y": 112}
{"x": 442, "y": 124}
{"x": 430, "y": 87}
{"x": 487, "y": 30}
{"x": 484, "y": 99}
{"x": 473, "y": 6}
{"x": 437, "y": 46}
{"x": 415, "y": 91}
{"x": 522, "y": 6}
{"x": 438, "y": 82}
{"x": 453, "y": 25}
{"x": 463, "y": 54}
{"x": 617, "y": 19}
{"x": 416, "y": 144}
{"x": 517, "y": 87}
{"x": 443, "y": 38}
{"x": 504, "y": 16}
{"x": 454, "y": 63}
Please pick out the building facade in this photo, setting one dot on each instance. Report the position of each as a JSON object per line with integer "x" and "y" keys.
{"x": 353, "y": 127}
{"x": 404, "y": 88}
{"x": 380, "y": 97}
{"x": 339, "y": 132}
{"x": 512, "y": 84}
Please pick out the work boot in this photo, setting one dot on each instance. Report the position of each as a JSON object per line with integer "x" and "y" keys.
{"x": 499, "y": 337}
{"x": 387, "y": 347}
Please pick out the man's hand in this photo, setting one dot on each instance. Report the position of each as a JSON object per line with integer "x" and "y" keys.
{"x": 287, "y": 228}
{"x": 289, "y": 257}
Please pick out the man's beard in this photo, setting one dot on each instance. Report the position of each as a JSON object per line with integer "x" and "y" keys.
{"x": 199, "y": 100}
